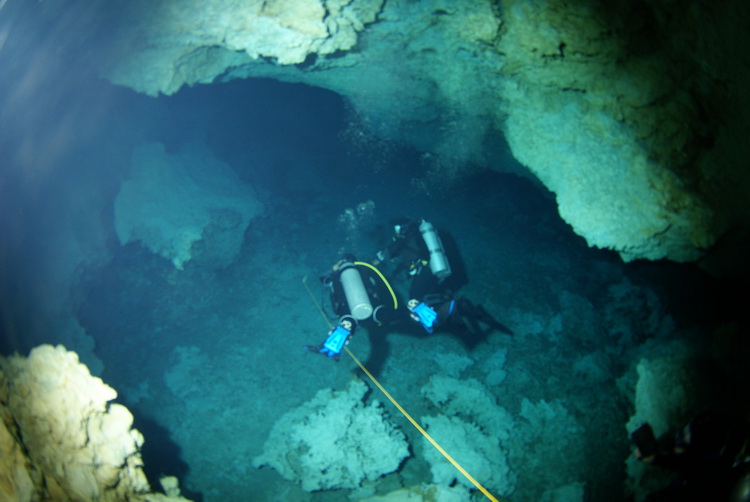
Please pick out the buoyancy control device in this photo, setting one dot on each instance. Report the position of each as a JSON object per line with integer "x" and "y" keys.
{"x": 438, "y": 260}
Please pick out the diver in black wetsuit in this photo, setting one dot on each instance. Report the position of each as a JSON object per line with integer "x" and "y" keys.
{"x": 354, "y": 287}
{"x": 418, "y": 247}
{"x": 435, "y": 310}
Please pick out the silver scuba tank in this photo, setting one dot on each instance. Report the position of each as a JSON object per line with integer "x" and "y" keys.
{"x": 355, "y": 292}
{"x": 438, "y": 261}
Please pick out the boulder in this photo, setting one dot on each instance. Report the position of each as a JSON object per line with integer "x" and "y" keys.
{"x": 334, "y": 441}
{"x": 60, "y": 436}
{"x": 187, "y": 206}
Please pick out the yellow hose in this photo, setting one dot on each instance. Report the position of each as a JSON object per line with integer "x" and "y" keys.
{"x": 392, "y": 399}
{"x": 382, "y": 277}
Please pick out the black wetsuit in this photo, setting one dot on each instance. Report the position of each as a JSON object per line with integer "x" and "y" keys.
{"x": 380, "y": 297}
{"x": 411, "y": 251}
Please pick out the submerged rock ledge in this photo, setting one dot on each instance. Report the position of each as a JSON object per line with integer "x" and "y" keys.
{"x": 631, "y": 113}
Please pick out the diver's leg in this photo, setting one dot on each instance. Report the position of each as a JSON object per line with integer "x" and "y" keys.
{"x": 465, "y": 314}
{"x": 479, "y": 314}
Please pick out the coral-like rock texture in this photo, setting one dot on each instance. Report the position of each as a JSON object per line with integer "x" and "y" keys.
{"x": 181, "y": 43}
{"x": 632, "y": 113}
{"x": 183, "y": 207}
{"x": 609, "y": 131}
{"x": 61, "y": 438}
{"x": 334, "y": 441}
{"x": 474, "y": 430}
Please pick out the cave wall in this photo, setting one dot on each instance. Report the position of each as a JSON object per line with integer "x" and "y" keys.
{"x": 630, "y": 112}
{"x": 62, "y": 437}
{"x": 616, "y": 107}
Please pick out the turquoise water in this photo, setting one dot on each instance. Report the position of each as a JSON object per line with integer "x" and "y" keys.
{"x": 209, "y": 359}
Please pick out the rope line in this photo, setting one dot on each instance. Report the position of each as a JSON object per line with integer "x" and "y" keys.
{"x": 421, "y": 430}
{"x": 317, "y": 305}
{"x": 400, "y": 408}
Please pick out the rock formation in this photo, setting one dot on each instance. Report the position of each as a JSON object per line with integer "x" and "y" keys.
{"x": 334, "y": 441}
{"x": 184, "y": 207}
{"x": 631, "y": 113}
{"x": 62, "y": 439}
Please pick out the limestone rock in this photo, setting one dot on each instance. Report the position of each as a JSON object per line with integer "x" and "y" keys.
{"x": 669, "y": 385}
{"x": 606, "y": 186}
{"x": 474, "y": 430}
{"x": 60, "y": 437}
{"x": 16, "y": 482}
{"x": 422, "y": 493}
{"x": 183, "y": 207}
{"x": 334, "y": 441}
{"x": 176, "y": 44}
{"x": 587, "y": 127}
{"x": 633, "y": 114}
{"x": 495, "y": 446}
{"x": 475, "y": 450}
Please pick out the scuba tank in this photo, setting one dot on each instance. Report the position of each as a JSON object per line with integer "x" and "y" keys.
{"x": 438, "y": 261}
{"x": 355, "y": 292}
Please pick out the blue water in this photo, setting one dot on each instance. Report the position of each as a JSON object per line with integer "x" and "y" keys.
{"x": 209, "y": 359}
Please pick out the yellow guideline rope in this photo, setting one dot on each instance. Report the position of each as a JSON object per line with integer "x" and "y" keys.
{"x": 399, "y": 407}
{"x": 317, "y": 306}
{"x": 421, "y": 430}
{"x": 387, "y": 285}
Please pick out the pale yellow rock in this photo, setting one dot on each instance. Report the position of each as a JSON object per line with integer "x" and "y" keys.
{"x": 170, "y": 485}
{"x": 60, "y": 438}
{"x": 211, "y": 34}
{"x": 303, "y": 16}
{"x": 15, "y": 480}
{"x": 633, "y": 114}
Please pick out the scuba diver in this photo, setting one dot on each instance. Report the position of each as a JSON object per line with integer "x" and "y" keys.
{"x": 442, "y": 309}
{"x": 417, "y": 245}
{"x": 354, "y": 287}
{"x": 707, "y": 455}
{"x": 418, "y": 248}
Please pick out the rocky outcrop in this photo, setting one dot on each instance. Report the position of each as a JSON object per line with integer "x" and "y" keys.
{"x": 667, "y": 388}
{"x": 184, "y": 207}
{"x": 62, "y": 439}
{"x": 608, "y": 106}
{"x": 631, "y": 113}
{"x": 334, "y": 441}
{"x": 177, "y": 44}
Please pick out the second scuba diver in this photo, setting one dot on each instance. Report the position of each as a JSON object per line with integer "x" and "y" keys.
{"x": 417, "y": 245}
